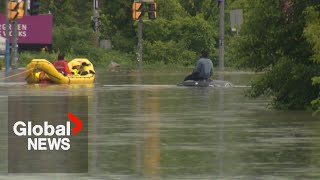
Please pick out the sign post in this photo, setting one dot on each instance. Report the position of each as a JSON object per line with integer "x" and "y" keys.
{"x": 221, "y": 34}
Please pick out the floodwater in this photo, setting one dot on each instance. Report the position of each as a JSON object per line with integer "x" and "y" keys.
{"x": 143, "y": 126}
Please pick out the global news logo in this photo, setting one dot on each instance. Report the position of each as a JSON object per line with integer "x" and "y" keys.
{"x": 47, "y": 136}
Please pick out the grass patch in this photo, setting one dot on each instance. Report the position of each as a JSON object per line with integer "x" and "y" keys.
{"x": 103, "y": 59}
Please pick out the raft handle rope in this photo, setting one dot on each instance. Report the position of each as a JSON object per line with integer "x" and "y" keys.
{"x": 15, "y": 74}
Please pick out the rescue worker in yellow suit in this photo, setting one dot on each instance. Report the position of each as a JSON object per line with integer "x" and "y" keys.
{"x": 42, "y": 76}
{"x": 81, "y": 69}
{"x": 76, "y": 69}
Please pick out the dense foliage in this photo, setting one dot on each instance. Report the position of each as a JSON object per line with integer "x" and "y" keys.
{"x": 312, "y": 33}
{"x": 280, "y": 37}
{"x": 181, "y": 30}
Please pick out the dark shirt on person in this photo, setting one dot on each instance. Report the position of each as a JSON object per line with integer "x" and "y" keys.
{"x": 204, "y": 68}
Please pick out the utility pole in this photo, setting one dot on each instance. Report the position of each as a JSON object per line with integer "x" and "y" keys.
{"x": 95, "y": 20}
{"x": 137, "y": 14}
{"x": 26, "y": 5}
{"x": 221, "y": 34}
{"x": 140, "y": 42}
{"x": 7, "y": 53}
{"x": 14, "y": 40}
{"x": 15, "y": 11}
{"x": 14, "y": 46}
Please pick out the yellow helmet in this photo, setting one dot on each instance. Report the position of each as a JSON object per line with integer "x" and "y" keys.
{"x": 77, "y": 63}
{"x": 37, "y": 74}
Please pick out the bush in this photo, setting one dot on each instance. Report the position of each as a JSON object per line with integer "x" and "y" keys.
{"x": 26, "y": 57}
{"x": 289, "y": 84}
{"x": 66, "y": 37}
{"x": 99, "y": 57}
{"x": 168, "y": 53}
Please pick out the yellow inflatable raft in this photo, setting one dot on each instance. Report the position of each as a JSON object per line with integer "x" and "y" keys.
{"x": 41, "y": 69}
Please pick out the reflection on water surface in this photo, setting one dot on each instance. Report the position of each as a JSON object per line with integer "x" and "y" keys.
{"x": 158, "y": 130}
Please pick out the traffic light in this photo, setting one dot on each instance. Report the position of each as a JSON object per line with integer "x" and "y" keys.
{"x": 12, "y": 10}
{"x": 21, "y": 10}
{"x": 137, "y": 10}
{"x": 152, "y": 11}
{"x": 34, "y": 7}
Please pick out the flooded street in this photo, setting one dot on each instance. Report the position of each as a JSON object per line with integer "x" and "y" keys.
{"x": 146, "y": 127}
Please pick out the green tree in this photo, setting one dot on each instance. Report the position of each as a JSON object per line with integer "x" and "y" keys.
{"x": 71, "y": 23}
{"x": 312, "y": 33}
{"x": 118, "y": 24}
{"x": 181, "y": 30}
{"x": 272, "y": 40}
